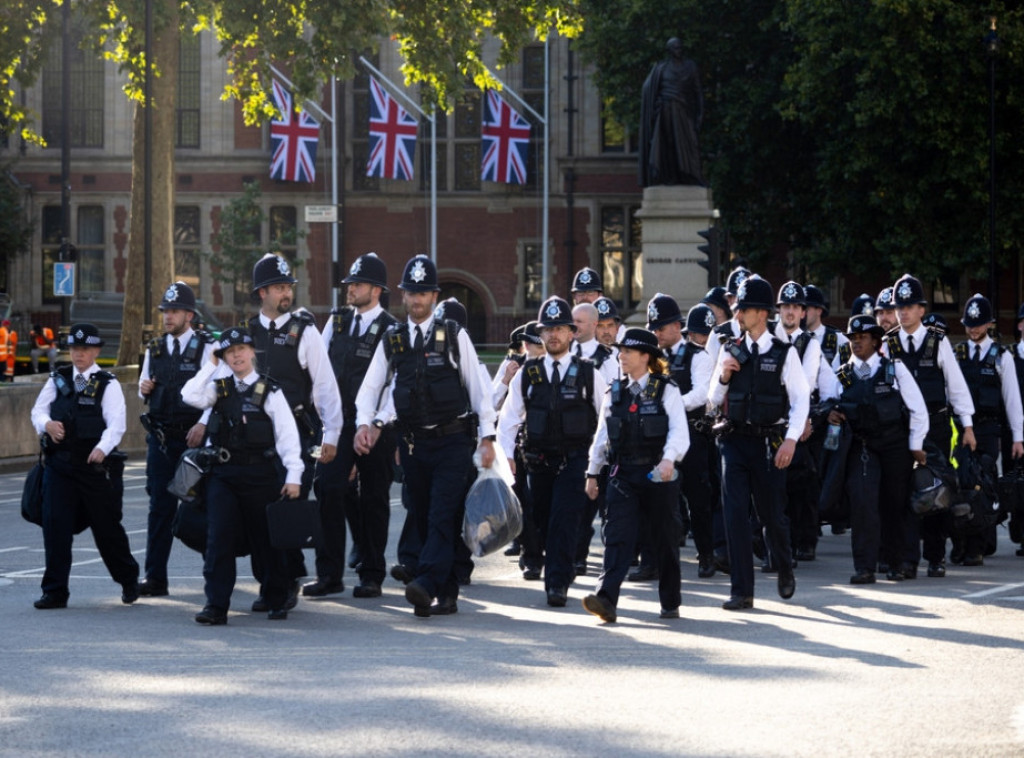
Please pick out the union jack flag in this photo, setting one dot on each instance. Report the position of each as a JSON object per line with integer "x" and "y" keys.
{"x": 293, "y": 141}
{"x": 506, "y": 138}
{"x": 392, "y": 136}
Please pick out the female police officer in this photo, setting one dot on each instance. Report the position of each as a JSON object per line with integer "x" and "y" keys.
{"x": 642, "y": 432}
{"x": 252, "y": 422}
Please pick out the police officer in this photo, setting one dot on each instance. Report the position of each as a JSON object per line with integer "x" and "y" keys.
{"x": 930, "y": 359}
{"x": 885, "y": 310}
{"x": 586, "y": 345}
{"x": 81, "y": 412}
{"x": 586, "y": 286}
{"x": 991, "y": 377}
{"x": 874, "y": 395}
{"x": 172, "y": 425}
{"x": 715, "y": 299}
{"x": 351, "y": 338}
{"x": 290, "y": 352}
{"x": 642, "y": 435}
{"x": 802, "y": 484}
{"x": 558, "y": 397}
{"x": 768, "y": 398}
{"x": 427, "y": 371}
{"x": 732, "y": 284}
{"x": 608, "y": 323}
{"x": 1016, "y": 527}
{"x": 862, "y": 305}
{"x": 832, "y": 340}
{"x": 691, "y": 367}
{"x": 254, "y": 432}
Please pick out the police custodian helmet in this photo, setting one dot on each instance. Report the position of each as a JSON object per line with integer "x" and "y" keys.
{"x": 420, "y": 275}
{"x": 662, "y": 310}
{"x": 555, "y": 312}
{"x": 754, "y": 292}
{"x": 271, "y": 269}
{"x": 370, "y": 269}
{"x": 179, "y": 296}
{"x": 977, "y": 312}
{"x": 587, "y": 280}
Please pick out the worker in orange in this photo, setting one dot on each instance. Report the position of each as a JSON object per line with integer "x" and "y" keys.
{"x": 42, "y": 341}
{"x": 8, "y": 343}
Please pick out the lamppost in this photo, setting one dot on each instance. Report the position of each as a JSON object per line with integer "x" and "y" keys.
{"x": 992, "y": 49}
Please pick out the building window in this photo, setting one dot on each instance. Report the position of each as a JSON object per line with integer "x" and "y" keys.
{"x": 615, "y": 138}
{"x": 186, "y": 245}
{"x": 284, "y": 230}
{"x": 186, "y": 128}
{"x": 361, "y": 131}
{"x": 91, "y": 269}
{"x": 51, "y": 232}
{"x": 467, "y": 142}
{"x": 622, "y": 255}
{"x": 86, "y": 97}
{"x": 531, "y": 275}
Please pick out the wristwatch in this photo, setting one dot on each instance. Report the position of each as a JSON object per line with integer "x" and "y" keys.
{"x": 377, "y": 424}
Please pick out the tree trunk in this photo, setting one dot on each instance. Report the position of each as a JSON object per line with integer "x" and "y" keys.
{"x": 165, "y": 46}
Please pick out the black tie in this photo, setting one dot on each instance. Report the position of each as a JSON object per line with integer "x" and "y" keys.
{"x": 355, "y": 325}
{"x": 80, "y": 382}
{"x": 754, "y": 349}
{"x": 977, "y": 353}
{"x": 579, "y": 350}
{"x": 910, "y": 343}
{"x": 418, "y": 344}
{"x": 273, "y": 326}
{"x": 176, "y": 352}
{"x": 555, "y": 378}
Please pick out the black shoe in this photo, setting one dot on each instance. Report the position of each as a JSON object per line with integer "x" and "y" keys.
{"x": 129, "y": 592}
{"x": 211, "y": 615}
{"x": 418, "y": 597}
{"x": 909, "y": 570}
{"x": 974, "y": 560}
{"x": 514, "y": 549}
{"x": 557, "y": 597}
{"x": 643, "y": 574}
{"x": 806, "y": 554}
{"x": 366, "y": 589}
{"x": 600, "y": 607}
{"x": 786, "y": 584}
{"x": 705, "y": 568}
{"x": 401, "y": 574}
{"x": 863, "y": 577}
{"x": 322, "y": 587}
{"x": 838, "y": 529}
{"x": 669, "y": 613}
{"x": 259, "y": 605}
{"x": 738, "y": 603}
{"x": 936, "y": 570}
{"x": 1019, "y": 552}
{"x": 883, "y": 568}
{"x": 49, "y": 600}
{"x": 277, "y": 614}
{"x": 293, "y": 595}
{"x": 721, "y": 563}
{"x": 580, "y": 568}
{"x": 445, "y": 606}
{"x": 531, "y": 574}
{"x": 957, "y": 557}
{"x": 149, "y": 588}
{"x": 894, "y": 576}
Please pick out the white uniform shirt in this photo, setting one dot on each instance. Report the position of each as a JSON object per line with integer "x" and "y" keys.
{"x": 908, "y": 389}
{"x": 480, "y": 395}
{"x": 811, "y": 360}
{"x": 313, "y": 358}
{"x": 513, "y": 412}
{"x": 183, "y": 340}
{"x": 676, "y": 443}
{"x": 957, "y": 394}
{"x": 201, "y": 392}
{"x": 701, "y": 368}
{"x": 841, "y": 339}
{"x": 793, "y": 378}
{"x": 609, "y": 369}
{"x": 112, "y": 406}
{"x": 1008, "y": 386}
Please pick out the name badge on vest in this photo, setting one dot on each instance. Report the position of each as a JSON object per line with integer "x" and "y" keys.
{"x": 648, "y": 408}
{"x": 434, "y": 360}
{"x": 769, "y": 366}
{"x": 280, "y": 338}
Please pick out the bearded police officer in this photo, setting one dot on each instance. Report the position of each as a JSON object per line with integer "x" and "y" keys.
{"x": 289, "y": 350}
{"x": 928, "y": 355}
{"x": 767, "y": 397}
{"x": 428, "y": 372}
{"x": 831, "y": 339}
{"x": 876, "y": 396}
{"x": 608, "y": 322}
{"x": 172, "y": 425}
{"x": 586, "y": 286}
{"x": 885, "y": 310}
{"x": 558, "y": 397}
{"x": 991, "y": 377}
{"x": 351, "y": 338}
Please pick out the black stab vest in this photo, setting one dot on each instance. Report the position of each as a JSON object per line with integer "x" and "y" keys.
{"x": 238, "y": 421}
{"x": 428, "y": 388}
{"x": 681, "y": 370}
{"x": 983, "y": 380}
{"x": 351, "y": 356}
{"x": 873, "y": 406}
{"x": 923, "y": 364}
{"x": 638, "y": 425}
{"x": 165, "y": 403}
{"x": 562, "y": 420}
{"x": 81, "y": 413}
{"x": 756, "y": 395}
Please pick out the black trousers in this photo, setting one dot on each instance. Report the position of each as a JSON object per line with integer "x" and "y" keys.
{"x": 632, "y": 498}
{"x": 697, "y": 488}
{"x": 931, "y": 532}
{"x": 70, "y": 486}
{"x": 558, "y": 500}
{"x": 878, "y": 487}
{"x": 160, "y": 467}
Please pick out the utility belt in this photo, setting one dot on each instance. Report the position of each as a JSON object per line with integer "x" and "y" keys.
{"x": 754, "y": 430}
{"x": 244, "y": 457}
{"x": 549, "y": 460}
{"x": 987, "y": 418}
{"x": 939, "y": 413}
{"x": 639, "y": 459}
{"x": 463, "y": 425}
{"x": 701, "y": 424}
{"x": 161, "y": 431}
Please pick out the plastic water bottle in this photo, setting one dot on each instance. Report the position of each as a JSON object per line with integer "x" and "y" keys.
{"x": 654, "y": 475}
{"x": 832, "y": 437}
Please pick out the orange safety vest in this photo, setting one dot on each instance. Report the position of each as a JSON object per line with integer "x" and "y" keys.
{"x": 5, "y": 336}
{"x": 45, "y": 339}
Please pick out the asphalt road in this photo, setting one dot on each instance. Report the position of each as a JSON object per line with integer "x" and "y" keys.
{"x": 922, "y": 668}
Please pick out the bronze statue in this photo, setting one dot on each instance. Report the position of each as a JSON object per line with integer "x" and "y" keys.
{"x": 671, "y": 111}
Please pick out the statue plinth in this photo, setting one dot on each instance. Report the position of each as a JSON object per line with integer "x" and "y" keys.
{"x": 672, "y": 216}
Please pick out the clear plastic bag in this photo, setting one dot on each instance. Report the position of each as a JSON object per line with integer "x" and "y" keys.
{"x": 494, "y": 516}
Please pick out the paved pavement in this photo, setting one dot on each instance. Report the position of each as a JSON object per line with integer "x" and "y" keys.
{"x": 923, "y": 668}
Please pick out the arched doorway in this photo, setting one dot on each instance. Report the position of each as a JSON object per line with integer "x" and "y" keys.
{"x": 474, "y": 304}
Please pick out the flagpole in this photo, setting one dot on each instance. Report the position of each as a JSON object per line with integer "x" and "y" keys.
{"x": 395, "y": 90}
{"x": 334, "y": 188}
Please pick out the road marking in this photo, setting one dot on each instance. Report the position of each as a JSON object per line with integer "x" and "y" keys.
{"x": 12, "y": 549}
{"x": 994, "y": 591}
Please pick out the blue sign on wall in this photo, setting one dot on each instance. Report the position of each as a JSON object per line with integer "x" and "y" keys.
{"x": 64, "y": 279}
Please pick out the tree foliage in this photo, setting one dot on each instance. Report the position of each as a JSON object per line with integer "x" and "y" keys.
{"x": 854, "y": 132}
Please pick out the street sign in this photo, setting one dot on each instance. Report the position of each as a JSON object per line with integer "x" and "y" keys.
{"x": 64, "y": 279}
{"x": 323, "y": 213}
